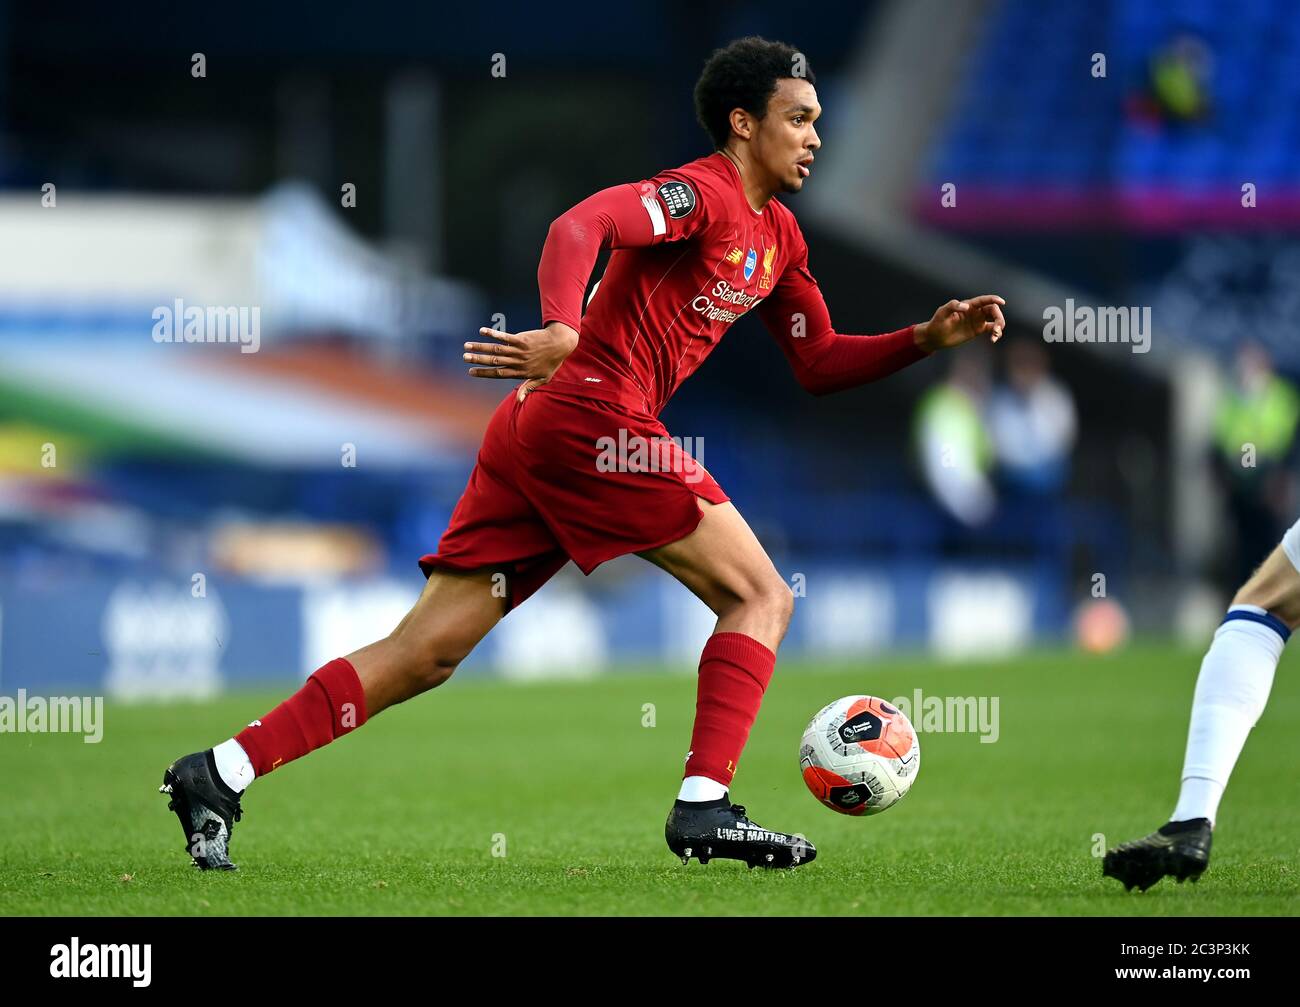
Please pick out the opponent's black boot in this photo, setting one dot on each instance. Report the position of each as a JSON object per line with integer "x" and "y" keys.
{"x": 1178, "y": 849}
{"x": 708, "y": 830}
{"x": 206, "y": 807}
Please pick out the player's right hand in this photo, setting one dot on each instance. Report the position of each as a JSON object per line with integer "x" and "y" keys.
{"x": 533, "y": 356}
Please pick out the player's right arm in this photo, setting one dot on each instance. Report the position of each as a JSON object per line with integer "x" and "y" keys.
{"x": 632, "y": 215}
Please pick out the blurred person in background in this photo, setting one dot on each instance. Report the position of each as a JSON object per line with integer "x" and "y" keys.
{"x": 1033, "y": 424}
{"x": 1255, "y": 439}
{"x": 953, "y": 443}
{"x": 1178, "y": 80}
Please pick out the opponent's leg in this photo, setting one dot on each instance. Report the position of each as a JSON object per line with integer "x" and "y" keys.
{"x": 1231, "y": 691}
{"x": 725, "y": 566}
{"x": 453, "y": 613}
{"x": 1235, "y": 679}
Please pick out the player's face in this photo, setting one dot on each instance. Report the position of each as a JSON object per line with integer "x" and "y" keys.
{"x": 786, "y": 139}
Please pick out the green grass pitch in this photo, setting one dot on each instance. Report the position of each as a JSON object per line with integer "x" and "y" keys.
{"x": 404, "y": 816}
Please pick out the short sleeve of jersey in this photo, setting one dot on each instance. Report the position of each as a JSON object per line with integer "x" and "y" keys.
{"x": 679, "y": 203}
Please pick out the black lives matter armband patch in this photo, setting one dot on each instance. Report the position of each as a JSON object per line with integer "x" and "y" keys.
{"x": 678, "y": 197}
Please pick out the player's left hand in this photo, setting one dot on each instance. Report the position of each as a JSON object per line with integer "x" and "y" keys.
{"x": 533, "y": 356}
{"x": 958, "y": 322}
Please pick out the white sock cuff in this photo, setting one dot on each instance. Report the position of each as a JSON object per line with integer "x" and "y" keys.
{"x": 1256, "y": 624}
{"x": 233, "y": 765}
{"x": 701, "y": 788}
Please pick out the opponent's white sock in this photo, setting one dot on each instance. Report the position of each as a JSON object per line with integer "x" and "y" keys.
{"x": 1231, "y": 692}
{"x": 701, "y": 788}
{"x": 233, "y": 765}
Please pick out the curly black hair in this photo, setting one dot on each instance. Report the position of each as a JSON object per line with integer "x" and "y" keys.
{"x": 744, "y": 75}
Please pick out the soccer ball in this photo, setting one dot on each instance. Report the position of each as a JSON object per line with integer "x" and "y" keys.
{"x": 859, "y": 756}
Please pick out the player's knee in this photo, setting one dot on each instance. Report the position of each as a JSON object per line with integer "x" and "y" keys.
{"x": 423, "y": 672}
{"x": 775, "y": 601}
{"x": 786, "y": 597}
{"x": 430, "y": 676}
{"x": 426, "y": 662}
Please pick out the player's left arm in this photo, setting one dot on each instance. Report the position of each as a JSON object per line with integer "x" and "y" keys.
{"x": 827, "y": 361}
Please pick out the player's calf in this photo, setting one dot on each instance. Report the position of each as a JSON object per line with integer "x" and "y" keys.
{"x": 455, "y": 612}
{"x": 401, "y": 667}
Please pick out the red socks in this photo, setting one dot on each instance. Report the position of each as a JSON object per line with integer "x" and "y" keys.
{"x": 331, "y": 703}
{"x": 734, "y": 672}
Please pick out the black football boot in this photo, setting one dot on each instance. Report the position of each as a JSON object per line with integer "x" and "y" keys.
{"x": 1178, "y": 849}
{"x": 709, "y": 830}
{"x": 207, "y": 808}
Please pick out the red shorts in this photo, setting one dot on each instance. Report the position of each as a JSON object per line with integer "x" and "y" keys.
{"x": 568, "y": 475}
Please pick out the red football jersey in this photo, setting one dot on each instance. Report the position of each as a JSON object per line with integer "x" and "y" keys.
{"x": 689, "y": 256}
{"x": 660, "y": 309}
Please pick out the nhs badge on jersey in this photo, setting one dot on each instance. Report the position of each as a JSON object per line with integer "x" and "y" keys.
{"x": 751, "y": 260}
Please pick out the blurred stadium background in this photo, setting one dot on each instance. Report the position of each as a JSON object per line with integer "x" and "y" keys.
{"x": 369, "y": 185}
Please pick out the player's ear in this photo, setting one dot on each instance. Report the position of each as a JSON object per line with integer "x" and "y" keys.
{"x": 742, "y": 123}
